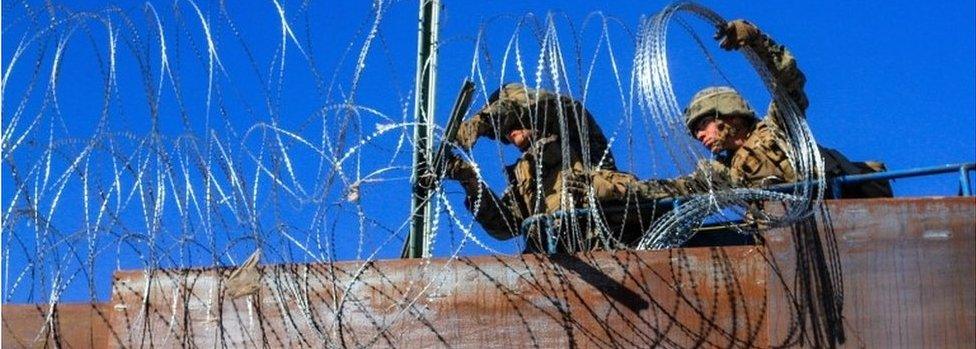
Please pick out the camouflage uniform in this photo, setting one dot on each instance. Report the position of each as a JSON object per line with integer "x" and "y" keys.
{"x": 762, "y": 159}
{"x": 536, "y": 180}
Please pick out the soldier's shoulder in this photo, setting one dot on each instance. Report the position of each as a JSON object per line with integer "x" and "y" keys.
{"x": 765, "y": 133}
{"x": 767, "y": 125}
{"x": 765, "y": 141}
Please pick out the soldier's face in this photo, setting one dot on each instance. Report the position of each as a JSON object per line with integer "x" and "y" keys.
{"x": 521, "y": 138}
{"x": 717, "y": 135}
{"x": 707, "y": 132}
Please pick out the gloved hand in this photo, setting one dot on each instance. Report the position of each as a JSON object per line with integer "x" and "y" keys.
{"x": 735, "y": 34}
{"x": 470, "y": 130}
{"x": 578, "y": 184}
{"x": 602, "y": 183}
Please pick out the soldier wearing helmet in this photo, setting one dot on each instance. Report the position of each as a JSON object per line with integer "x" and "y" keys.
{"x": 557, "y": 137}
{"x": 749, "y": 151}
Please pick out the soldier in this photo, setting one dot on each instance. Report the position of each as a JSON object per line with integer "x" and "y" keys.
{"x": 557, "y": 137}
{"x": 748, "y": 151}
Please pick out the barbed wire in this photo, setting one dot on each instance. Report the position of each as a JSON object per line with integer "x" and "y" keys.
{"x": 191, "y": 146}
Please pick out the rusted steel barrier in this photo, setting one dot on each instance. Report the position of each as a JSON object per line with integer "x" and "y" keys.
{"x": 877, "y": 273}
{"x": 907, "y": 272}
{"x": 75, "y": 326}
{"x": 676, "y": 298}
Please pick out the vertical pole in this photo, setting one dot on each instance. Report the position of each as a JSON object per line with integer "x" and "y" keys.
{"x": 836, "y": 191}
{"x": 553, "y": 244}
{"x": 964, "y": 181}
{"x": 420, "y": 219}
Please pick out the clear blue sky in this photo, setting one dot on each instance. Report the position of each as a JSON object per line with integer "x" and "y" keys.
{"x": 894, "y": 82}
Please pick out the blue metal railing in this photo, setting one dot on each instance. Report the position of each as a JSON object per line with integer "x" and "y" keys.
{"x": 963, "y": 170}
{"x": 835, "y": 184}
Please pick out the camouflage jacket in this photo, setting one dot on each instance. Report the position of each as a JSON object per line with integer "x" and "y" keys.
{"x": 535, "y": 181}
{"x": 762, "y": 160}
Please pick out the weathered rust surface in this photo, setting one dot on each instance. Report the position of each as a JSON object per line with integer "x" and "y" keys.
{"x": 882, "y": 273}
{"x": 692, "y": 297}
{"x": 77, "y": 326}
{"x": 907, "y": 271}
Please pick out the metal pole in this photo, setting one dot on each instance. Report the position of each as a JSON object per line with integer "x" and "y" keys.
{"x": 426, "y": 81}
{"x": 836, "y": 189}
{"x": 964, "y": 181}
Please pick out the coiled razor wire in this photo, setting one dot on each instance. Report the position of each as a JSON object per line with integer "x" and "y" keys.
{"x": 551, "y": 73}
{"x": 681, "y": 221}
{"x": 204, "y": 196}
{"x": 214, "y": 169}
{"x": 656, "y": 98}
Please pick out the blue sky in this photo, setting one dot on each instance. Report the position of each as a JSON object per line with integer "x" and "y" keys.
{"x": 891, "y": 82}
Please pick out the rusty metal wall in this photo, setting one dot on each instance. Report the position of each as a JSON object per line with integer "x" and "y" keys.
{"x": 877, "y": 273}
{"x": 681, "y": 298}
{"x": 78, "y": 326}
{"x": 907, "y": 274}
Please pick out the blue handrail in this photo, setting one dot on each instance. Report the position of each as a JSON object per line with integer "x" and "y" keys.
{"x": 916, "y": 172}
{"x": 836, "y": 184}
{"x": 964, "y": 188}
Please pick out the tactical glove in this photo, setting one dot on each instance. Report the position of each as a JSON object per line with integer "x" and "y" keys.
{"x": 470, "y": 130}
{"x": 736, "y": 34}
{"x": 579, "y": 184}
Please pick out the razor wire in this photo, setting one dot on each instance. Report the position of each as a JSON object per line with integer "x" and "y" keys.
{"x": 196, "y": 170}
{"x": 657, "y": 99}
{"x": 180, "y": 167}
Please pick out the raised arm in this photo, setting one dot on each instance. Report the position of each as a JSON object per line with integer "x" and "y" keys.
{"x": 505, "y": 108}
{"x": 787, "y": 76}
{"x": 479, "y": 125}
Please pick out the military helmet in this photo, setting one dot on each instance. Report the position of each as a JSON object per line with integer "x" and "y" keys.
{"x": 510, "y": 107}
{"x": 721, "y": 100}
{"x": 516, "y": 93}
